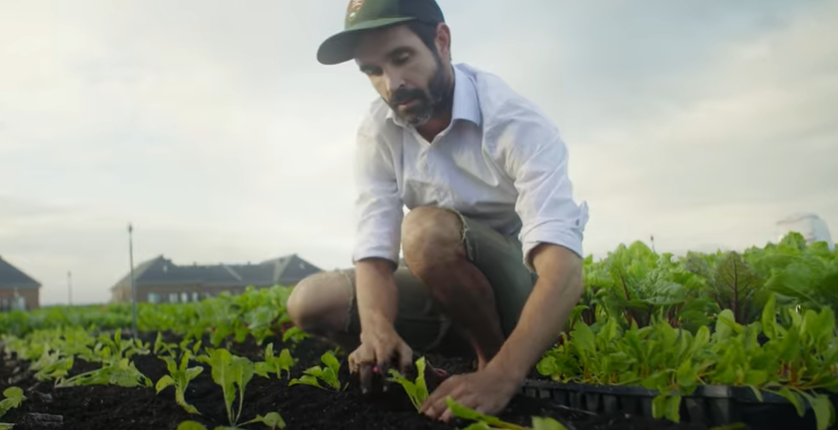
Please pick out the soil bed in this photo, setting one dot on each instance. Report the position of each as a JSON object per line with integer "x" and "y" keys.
{"x": 302, "y": 407}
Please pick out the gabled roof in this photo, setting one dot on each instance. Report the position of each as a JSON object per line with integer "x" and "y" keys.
{"x": 161, "y": 271}
{"x": 12, "y": 277}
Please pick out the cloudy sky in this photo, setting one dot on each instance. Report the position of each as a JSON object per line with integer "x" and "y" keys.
{"x": 701, "y": 122}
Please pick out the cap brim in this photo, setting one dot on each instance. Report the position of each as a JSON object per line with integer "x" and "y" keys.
{"x": 341, "y": 47}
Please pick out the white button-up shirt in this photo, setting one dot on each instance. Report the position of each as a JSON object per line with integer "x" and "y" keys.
{"x": 500, "y": 161}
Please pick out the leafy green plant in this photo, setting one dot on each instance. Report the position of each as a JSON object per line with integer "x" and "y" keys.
{"x": 275, "y": 364}
{"x": 179, "y": 376}
{"x": 272, "y": 420}
{"x": 52, "y": 365}
{"x": 327, "y": 375}
{"x": 417, "y": 390}
{"x": 232, "y": 373}
{"x": 13, "y": 398}
{"x": 122, "y": 373}
{"x": 489, "y": 422}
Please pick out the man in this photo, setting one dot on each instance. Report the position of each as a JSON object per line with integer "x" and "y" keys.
{"x": 492, "y": 243}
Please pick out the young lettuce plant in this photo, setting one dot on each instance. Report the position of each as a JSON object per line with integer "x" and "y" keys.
{"x": 273, "y": 420}
{"x": 230, "y": 371}
{"x": 488, "y": 422}
{"x": 13, "y": 398}
{"x": 179, "y": 376}
{"x": 416, "y": 390}
{"x": 275, "y": 364}
{"x": 328, "y": 375}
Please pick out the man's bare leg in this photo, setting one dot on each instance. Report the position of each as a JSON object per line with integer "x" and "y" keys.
{"x": 319, "y": 306}
{"x": 434, "y": 252}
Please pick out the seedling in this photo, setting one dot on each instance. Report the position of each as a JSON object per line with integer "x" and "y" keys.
{"x": 416, "y": 390}
{"x": 275, "y": 364}
{"x": 13, "y": 398}
{"x": 328, "y": 375}
{"x": 122, "y": 373}
{"x": 230, "y": 371}
{"x": 179, "y": 376}
{"x": 52, "y": 366}
{"x": 273, "y": 420}
{"x": 488, "y": 422}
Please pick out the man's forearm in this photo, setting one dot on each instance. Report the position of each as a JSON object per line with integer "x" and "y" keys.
{"x": 376, "y": 292}
{"x": 545, "y": 314}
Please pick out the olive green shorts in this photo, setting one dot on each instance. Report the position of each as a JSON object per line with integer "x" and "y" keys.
{"x": 423, "y": 327}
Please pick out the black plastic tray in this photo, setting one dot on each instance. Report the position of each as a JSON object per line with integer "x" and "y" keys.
{"x": 709, "y": 405}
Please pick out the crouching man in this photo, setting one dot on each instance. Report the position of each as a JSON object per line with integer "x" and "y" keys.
{"x": 492, "y": 243}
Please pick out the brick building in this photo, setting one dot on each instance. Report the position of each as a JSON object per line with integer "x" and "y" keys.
{"x": 17, "y": 289}
{"x": 159, "y": 280}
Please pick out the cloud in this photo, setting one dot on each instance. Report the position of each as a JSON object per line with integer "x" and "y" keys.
{"x": 211, "y": 127}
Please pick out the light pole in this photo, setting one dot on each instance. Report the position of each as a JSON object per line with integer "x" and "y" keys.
{"x": 70, "y": 288}
{"x": 133, "y": 287}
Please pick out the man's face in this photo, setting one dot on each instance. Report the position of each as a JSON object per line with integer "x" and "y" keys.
{"x": 407, "y": 75}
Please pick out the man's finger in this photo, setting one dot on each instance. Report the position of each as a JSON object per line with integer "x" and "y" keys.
{"x": 435, "y": 398}
{"x": 382, "y": 374}
{"x": 366, "y": 377}
{"x": 406, "y": 360}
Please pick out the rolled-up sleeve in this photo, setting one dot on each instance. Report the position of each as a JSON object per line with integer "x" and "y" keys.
{"x": 536, "y": 158}
{"x": 378, "y": 205}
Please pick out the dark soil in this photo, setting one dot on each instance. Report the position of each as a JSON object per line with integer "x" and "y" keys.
{"x": 302, "y": 407}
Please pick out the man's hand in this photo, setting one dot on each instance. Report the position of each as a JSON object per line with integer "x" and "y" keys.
{"x": 381, "y": 347}
{"x": 548, "y": 308}
{"x": 485, "y": 391}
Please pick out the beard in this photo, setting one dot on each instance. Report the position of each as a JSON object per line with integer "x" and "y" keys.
{"x": 427, "y": 103}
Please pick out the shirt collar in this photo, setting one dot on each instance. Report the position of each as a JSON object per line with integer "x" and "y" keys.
{"x": 465, "y": 107}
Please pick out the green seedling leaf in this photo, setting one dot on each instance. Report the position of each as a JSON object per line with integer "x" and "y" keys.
{"x": 13, "y": 398}
{"x": 824, "y": 411}
{"x": 466, "y": 413}
{"x": 164, "y": 382}
{"x": 479, "y": 426}
{"x": 272, "y": 420}
{"x": 416, "y": 390}
{"x": 794, "y": 398}
{"x": 191, "y": 425}
{"x": 673, "y": 406}
{"x": 540, "y": 423}
{"x": 315, "y": 375}
{"x": 276, "y": 365}
{"x": 231, "y": 373}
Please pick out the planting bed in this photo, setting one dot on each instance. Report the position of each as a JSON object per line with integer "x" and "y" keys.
{"x": 656, "y": 342}
{"x": 302, "y": 407}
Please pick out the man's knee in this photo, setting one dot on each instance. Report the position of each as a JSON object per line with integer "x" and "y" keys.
{"x": 319, "y": 304}
{"x": 431, "y": 237}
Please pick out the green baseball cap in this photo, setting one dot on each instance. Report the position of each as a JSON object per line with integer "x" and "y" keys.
{"x": 364, "y": 15}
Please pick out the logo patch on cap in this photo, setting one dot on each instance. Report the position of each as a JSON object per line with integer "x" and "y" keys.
{"x": 353, "y": 8}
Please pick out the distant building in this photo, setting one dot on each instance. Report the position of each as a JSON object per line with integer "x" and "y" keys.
{"x": 810, "y": 226}
{"x": 17, "y": 289}
{"x": 161, "y": 281}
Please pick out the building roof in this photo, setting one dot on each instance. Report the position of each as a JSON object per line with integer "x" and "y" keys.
{"x": 12, "y": 277}
{"x": 162, "y": 271}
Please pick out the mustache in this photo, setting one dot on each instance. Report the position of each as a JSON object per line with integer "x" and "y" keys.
{"x": 403, "y": 95}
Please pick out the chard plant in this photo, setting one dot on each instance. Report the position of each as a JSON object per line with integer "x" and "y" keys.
{"x": 52, "y": 366}
{"x": 122, "y": 373}
{"x": 275, "y": 364}
{"x": 489, "y": 422}
{"x": 13, "y": 398}
{"x": 272, "y": 420}
{"x": 322, "y": 377}
{"x": 232, "y": 373}
{"x": 417, "y": 390}
{"x": 179, "y": 377}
